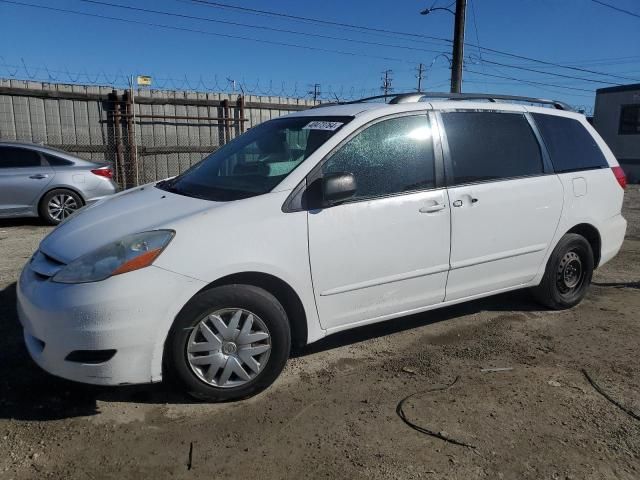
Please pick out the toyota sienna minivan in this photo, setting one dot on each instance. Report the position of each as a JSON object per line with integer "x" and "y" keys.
{"x": 321, "y": 221}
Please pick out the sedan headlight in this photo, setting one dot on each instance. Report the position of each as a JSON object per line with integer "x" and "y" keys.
{"x": 125, "y": 255}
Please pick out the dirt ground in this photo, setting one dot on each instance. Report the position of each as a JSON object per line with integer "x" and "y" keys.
{"x": 332, "y": 414}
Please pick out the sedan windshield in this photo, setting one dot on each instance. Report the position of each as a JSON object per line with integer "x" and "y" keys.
{"x": 256, "y": 161}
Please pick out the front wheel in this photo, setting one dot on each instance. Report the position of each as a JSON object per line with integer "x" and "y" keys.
{"x": 228, "y": 343}
{"x": 568, "y": 273}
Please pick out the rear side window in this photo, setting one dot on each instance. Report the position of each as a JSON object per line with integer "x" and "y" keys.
{"x": 491, "y": 146}
{"x": 14, "y": 157}
{"x": 570, "y": 145}
{"x": 389, "y": 157}
{"x": 57, "y": 161}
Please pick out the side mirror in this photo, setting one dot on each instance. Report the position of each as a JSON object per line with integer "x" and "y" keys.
{"x": 337, "y": 187}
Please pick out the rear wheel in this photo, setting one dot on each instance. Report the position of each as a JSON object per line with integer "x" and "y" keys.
{"x": 568, "y": 273}
{"x": 59, "y": 204}
{"x": 228, "y": 343}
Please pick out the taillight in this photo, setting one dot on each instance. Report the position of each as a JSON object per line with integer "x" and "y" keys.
{"x": 103, "y": 172}
{"x": 620, "y": 176}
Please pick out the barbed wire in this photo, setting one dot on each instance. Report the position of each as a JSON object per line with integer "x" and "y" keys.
{"x": 214, "y": 84}
{"x": 211, "y": 84}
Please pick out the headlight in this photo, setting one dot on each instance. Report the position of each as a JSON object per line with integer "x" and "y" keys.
{"x": 125, "y": 255}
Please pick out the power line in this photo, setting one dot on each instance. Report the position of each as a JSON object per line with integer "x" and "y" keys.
{"x": 256, "y": 11}
{"x": 204, "y": 32}
{"x": 475, "y": 28}
{"x": 259, "y": 27}
{"x": 289, "y": 31}
{"x": 618, "y": 9}
{"x": 549, "y": 73}
{"x": 171, "y": 27}
{"x": 393, "y": 32}
{"x": 530, "y": 82}
{"x": 544, "y": 62}
{"x": 192, "y": 17}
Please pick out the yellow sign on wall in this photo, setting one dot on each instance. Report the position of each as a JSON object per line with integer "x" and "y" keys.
{"x": 144, "y": 80}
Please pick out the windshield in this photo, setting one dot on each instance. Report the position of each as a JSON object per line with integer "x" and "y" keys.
{"x": 256, "y": 161}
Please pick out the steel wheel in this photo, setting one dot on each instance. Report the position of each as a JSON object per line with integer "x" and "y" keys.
{"x": 570, "y": 274}
{"x": 228, "y": 347}
{"x": 62, "y": 205}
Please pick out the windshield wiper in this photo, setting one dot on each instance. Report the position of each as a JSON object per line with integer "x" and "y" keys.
{"x": 167, "y": 185}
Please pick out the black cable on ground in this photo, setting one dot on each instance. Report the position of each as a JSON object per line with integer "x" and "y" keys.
{"x": 427, "y": 431}
{"x": 626, "y": 410}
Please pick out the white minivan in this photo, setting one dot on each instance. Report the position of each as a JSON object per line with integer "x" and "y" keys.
{"x": 320, "y": 221}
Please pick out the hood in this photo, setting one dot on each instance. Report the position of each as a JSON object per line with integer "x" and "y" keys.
{"x": 137, "y": 210}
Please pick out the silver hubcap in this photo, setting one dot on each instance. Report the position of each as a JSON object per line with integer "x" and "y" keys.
{"x": 61, "y": 206}
{"x": 228, "y": 347}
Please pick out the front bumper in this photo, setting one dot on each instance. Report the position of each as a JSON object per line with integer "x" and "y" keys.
{"x": 130, "y": 313}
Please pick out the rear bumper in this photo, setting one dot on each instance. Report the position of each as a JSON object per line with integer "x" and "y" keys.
{"x": 92, "y": 200}
{"x": 130, "y": 313}
{"x": 612, "y": 234}
{"x": 105, "y": 189}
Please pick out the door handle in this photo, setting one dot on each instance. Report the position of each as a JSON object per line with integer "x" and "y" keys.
{"x": 38, "y": 176}
{"x": 433, "y": 208}
{"x": 459, "y": 203}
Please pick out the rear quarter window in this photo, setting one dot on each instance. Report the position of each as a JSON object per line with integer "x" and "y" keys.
{"x": 570, "y": 146}
{"x": 57, "y": 161}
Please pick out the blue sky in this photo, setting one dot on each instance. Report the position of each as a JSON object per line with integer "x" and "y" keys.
{"x": 44, "y": 44}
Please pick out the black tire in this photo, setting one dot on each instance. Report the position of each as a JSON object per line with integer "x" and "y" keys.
{"x": 571, "y": 262}
{"x": 63, "y": 193}
{"x": 253, "y": 299}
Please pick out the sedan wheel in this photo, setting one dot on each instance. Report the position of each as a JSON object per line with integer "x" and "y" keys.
{"x": 61, "y": 206}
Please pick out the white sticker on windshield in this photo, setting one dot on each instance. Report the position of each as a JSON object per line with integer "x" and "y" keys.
{"x": 321, "y": 125}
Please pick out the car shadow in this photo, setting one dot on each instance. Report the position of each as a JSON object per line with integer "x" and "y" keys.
{"x": 519, "y": 300}
{"x": 635, "y": 285}
{"x": 21, "y": 222}
{"x": 28, "y": 393}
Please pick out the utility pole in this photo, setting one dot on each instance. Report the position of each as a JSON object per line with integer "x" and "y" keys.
{"x": 386, "y": 82}
{"x": 420, "y": 76}
{"x": 315, "y": 92}
{"x": 458, "y": 46}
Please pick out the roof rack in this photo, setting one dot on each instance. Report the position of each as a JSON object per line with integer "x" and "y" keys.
{"x": 415, "y": 97}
